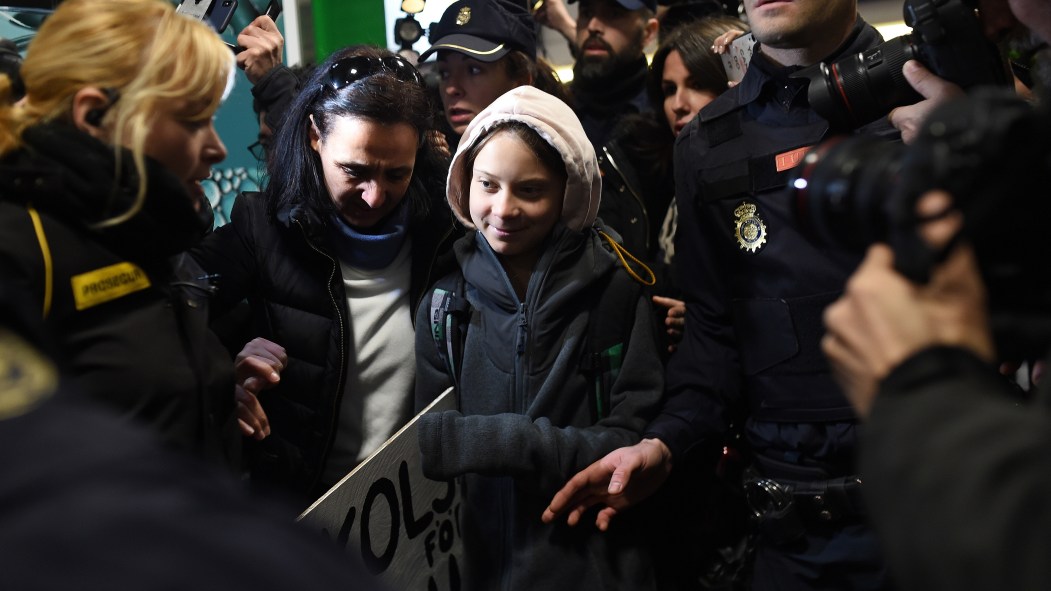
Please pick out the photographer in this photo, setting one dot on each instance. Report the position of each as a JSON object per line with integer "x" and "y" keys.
{"x": 957, "y": 472}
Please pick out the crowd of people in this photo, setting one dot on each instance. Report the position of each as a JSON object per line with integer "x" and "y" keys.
{"x": 611, "y": 273}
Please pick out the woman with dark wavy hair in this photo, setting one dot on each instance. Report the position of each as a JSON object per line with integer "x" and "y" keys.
{"x": 637, "y": 194}
{"x": 332, "y": 257}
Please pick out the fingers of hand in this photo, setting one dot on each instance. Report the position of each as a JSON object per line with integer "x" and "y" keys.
{"x": 264, "y": 372}
{"x": 723, "y": 41}
{"x": 604, "y": 518}
{"x": 251, "y": 413}
{"x": 927, "y": 84}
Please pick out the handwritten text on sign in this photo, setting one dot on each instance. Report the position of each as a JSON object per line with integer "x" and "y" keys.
{"x": 404, "y": 525}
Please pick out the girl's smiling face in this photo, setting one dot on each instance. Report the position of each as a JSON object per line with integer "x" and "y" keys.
{"x": 515, "y": 199}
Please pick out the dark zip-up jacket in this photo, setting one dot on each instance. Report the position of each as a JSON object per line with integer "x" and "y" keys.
{"x": 291, "y": 278}
{"x": 524, "y": 425}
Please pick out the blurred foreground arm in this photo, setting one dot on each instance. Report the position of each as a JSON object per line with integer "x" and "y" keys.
{"x": 883, "y": 319}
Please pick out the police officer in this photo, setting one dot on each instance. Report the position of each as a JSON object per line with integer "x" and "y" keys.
{"x": 756, "y": 287}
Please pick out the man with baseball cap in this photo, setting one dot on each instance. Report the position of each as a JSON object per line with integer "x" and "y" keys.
{"x": 609, "y": 76}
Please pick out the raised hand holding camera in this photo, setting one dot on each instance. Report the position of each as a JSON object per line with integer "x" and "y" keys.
{"x": 947, "y": 37}
{"x": 934, "y": 90}
{"x": 991, "y": 152}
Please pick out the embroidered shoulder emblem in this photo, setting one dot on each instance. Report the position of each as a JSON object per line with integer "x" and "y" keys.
{"x": 464, "y": 16}
{"x": 26, "y": 377}
{"x": 749, "y": 228}
{"x": 107, "y": 284}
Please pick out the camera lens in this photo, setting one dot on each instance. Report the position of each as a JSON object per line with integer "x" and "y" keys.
{"x": 865, "y": 86}
{"x": 842, "y": 190}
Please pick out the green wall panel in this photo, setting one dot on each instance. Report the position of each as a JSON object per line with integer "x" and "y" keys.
{"x": 338, "y": 23}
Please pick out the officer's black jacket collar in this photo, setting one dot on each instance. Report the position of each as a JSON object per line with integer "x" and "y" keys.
{"x": 762, "y": 71}
{"x": 74, "y": 177}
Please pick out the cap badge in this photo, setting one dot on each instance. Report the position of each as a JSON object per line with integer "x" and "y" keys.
{"x": 749, "y": 228}
{"x": 464, "y": 16}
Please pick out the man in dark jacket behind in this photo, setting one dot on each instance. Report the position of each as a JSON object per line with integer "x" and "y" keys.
{"x": 609, "y": 76}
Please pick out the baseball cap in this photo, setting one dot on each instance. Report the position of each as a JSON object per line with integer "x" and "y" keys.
{"x": 634, "y": 4}
{"x": 484, "y": 29}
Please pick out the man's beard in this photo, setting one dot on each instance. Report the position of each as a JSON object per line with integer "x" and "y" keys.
{"x": 597, "y": 69}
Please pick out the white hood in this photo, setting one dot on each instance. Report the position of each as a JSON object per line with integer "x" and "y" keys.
{"x": 557, "y": 125}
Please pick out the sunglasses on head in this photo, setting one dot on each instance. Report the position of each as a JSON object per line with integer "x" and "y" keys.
{"x": 349, "y": 70}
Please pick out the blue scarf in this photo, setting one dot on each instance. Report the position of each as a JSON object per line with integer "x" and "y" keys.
{"x": 376, "y": 248}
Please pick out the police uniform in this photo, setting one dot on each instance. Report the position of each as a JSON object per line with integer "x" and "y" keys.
{"x": 756, "y": 286}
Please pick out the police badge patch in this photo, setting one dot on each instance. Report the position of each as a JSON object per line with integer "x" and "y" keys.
{"x": 749, "y": 228}
{"x": 464, "y": 16}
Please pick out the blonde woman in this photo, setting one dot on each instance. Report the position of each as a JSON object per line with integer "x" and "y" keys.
{"x": 100, "y": 192}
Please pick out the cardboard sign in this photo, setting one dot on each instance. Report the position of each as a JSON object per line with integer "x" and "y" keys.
{"x": 404, "y": 526}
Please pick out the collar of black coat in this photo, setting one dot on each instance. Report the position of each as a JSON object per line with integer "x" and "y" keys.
{"x": 761, "y": 71}
{"x": 71, "y": 176}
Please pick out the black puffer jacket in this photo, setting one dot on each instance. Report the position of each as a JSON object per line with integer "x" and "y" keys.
{"x": 284, "y": 267}
{"x": 129, "y": 315}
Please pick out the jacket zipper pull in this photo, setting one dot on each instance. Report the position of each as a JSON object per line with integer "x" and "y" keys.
{"x": 522, "y": 328}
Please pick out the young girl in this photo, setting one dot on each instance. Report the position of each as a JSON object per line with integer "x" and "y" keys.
{"x": 525, "y": 179}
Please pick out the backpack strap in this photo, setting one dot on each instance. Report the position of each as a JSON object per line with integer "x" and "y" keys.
{"x": 450, "y": 317}
{"x": 610, "y": 323}
{"x": 609, "y": 328}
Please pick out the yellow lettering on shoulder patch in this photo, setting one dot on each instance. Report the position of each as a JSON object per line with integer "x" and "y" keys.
{"x": 107, "y": 284}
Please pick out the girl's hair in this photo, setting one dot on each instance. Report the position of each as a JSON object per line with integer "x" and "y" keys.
{"x": 296, "y": 173}
{"x": 140, "y": 52}
{"x": 545, "y": 152}
{"x": 694, "y": 42}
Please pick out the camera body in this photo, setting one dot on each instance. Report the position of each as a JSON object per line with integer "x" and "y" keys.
{"x": 946, "y": 37}
{"x": 992, "y": 152}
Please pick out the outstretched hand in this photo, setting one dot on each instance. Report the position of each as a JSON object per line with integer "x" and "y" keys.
{"x": 624, "y": 477}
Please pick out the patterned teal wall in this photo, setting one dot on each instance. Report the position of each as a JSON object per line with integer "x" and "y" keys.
{"x": 235, "y": 121}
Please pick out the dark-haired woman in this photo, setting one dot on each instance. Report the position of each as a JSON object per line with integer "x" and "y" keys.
{"x": 332, "y": 257}
{"x": 686, "y": 74}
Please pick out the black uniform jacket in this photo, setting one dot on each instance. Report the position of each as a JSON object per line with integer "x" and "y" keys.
{"x": 756, "y": 282}
{"x": 129, "y": 314}
{"x": 292, "y": 280}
